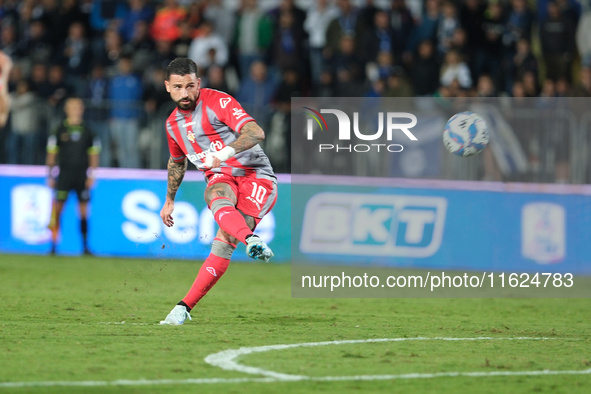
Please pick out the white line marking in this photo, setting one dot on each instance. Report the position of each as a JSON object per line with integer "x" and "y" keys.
{"x": 226, "y": 360}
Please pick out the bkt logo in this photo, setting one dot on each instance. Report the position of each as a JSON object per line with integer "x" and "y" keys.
{"x": 391, "y": 119}
{"x": 373, "y": 225}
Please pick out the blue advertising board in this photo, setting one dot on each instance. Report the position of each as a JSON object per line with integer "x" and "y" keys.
{"x": 125, "y": 216}
{"x": 441, "y": 224}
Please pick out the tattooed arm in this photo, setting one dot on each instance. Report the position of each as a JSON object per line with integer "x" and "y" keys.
{"x": 176, "y": 173}
{"x": 250, "y": 135}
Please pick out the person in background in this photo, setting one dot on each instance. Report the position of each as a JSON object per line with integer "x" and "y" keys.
{"x": 72, "y": 158}
{"x": 125, "y": 90}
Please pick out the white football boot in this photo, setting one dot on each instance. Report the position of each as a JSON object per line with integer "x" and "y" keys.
{"x": 256, "y": 248}
{"x": 177, "y": 316}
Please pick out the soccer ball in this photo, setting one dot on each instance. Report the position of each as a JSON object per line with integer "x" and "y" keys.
{"x": 465, "y": 134}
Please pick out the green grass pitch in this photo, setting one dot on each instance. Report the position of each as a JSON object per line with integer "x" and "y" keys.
{"x": 74, "y": 319}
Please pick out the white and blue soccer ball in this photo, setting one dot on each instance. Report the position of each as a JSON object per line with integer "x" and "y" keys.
{"x": 465, "y": 134}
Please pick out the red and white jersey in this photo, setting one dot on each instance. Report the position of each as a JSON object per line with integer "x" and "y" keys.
{"x": 213, "y": 124}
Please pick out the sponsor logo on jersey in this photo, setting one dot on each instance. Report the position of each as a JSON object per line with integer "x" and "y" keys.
{"x": 224, "y": 101}
{"x": 216, "y": 146}
{"x": 189, "y": 124}
{"x": 238, "y": 113}
{"x": 373, "y": 225}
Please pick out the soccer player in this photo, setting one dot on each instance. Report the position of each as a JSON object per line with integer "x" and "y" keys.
{"x": 212, "y": 130}
{"x": 76, "y": 150}
{"x": 5, "y": 67}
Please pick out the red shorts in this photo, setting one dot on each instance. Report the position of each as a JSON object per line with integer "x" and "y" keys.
{"x": 255, "y": 196}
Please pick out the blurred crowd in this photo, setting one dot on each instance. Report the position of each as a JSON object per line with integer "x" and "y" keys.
{"x": 113, "y": 54}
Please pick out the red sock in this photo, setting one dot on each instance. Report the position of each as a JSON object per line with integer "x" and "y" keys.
{"x": 211, "y": 271}
{"x": 232, "y": 222}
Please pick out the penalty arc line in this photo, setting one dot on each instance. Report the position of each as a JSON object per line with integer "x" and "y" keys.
{"x": 225, "y": 360}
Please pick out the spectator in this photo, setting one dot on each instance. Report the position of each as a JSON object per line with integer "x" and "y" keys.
{"x": 278, "y": 143}
{"x": 222, "y": 18}
{"x": 523, "y": 61}
{"x": 288, "y": 44}
{"x": 582, "y": 36}
{"x": 163, "y": 54}
{"x": 256, "y": 92}
{"x": 194, "y": 14}
{"x": 216, "y": 79}
{"x": 155, "y": 94}
{"x": 381, "y": 68}
{"x": 448, "y": 24}
{"x": 141, "y": 46}
{"x": 97, "y": 111}
{"x": 138, "y": 11}
{"x": 425, "y": 29}
{"x": 67, "y": 13}
{"x": 36, "y": 44}
{"x": 455, "y": 69}
{"x": 518, "y": 26}
{"x": 583, "y": 88}
{"x": 180, "y": 46}
{"x": 517, "y": 90}
{"x": 425, "y": 70}
{"x": 348, "y": 59}
{"x": 471, "y": 19}
{"x": 254, "y": 34}
{"x": 485, "y": 86}
{"x": 530, "y": 84}
{"x": 59, "y": 91}
{"x": 325, "y": 87}
{"x": 74, "y": 55}
{"x": 367, "y": 15}
{"x": 165, "y": 26}
{"x": 397, "y": 85}
{"x": 8, "y": 41}
{"x": 316, "y": 24}
{"x": 562, "y": 87}
{"x": 125, "y": 92}
{"x": 298, "y": 15}
{"x": 377, "y": 38}
{"x": 346, "y": 23}
{"x": 112, "y": 50}
{"x": 22, "y": 139}
{"x": 38, "y": 81}
{"x": 104, "y": 15}
{"x": 402, "y": 24}
{"x": 490, "y": 57}
{"x": 347, "y": 84}
{"x": 557, "y": 38}
{"x": 459, "y": 42}
{"x": 209, "y": 48}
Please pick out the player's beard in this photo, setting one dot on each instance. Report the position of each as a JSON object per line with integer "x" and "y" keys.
{"x": 186, "y": 106}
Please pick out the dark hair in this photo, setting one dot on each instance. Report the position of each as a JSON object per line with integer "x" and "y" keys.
{"x": 181, "y": 66}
